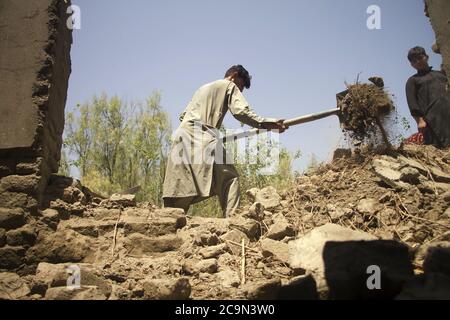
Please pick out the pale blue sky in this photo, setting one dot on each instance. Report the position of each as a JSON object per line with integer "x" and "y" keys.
{"x": 299, "y": 53}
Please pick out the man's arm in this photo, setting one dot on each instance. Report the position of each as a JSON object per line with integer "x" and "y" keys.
{"x": 413, "y": 104}
{"x": 241, "y": 110}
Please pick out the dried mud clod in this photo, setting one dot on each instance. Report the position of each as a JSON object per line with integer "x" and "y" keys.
{"x": 364, "y": 109}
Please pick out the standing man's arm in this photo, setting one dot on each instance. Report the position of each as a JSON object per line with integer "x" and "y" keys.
{"x": 413, "y": 104}
{"x": 241, "y": 110}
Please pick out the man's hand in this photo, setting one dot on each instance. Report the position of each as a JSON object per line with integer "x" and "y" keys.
{"x": 277, "y": 125}
{"x": 421, "y": 124}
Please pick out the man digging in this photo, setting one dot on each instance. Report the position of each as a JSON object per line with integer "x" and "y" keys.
{"x": 188, "y": 180}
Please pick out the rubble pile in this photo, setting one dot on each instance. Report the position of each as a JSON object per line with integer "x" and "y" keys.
{"x": 322, "y": 239}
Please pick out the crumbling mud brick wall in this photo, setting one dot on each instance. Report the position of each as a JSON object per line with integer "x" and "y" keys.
{"x": 35, "y": 66}
{"x": 439, "y": 13}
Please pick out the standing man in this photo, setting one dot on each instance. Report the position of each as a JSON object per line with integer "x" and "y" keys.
{"x": 428, "y": 100}
{"x": 195, "y": 170}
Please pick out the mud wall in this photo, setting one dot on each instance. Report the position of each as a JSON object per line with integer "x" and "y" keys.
{"x": 35, "y": 66}
{"x": 439, "y": 13}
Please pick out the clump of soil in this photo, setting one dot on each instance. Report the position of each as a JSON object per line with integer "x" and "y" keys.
{"x": 364, "y": 108}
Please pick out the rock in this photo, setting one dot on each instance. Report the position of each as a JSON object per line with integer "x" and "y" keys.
{"x": 51, "y": 218}
{"x": 12, "y": 287}
{"x": 124, "y": 200}
{"x": 306, "y": 252}
{"x": 84, "y": 293}
{"x": 256, "y": 211}
{"x": 60, "y": 246}
{"x": 277, "y": 249}
{"x": 213, "y": 251}
{"x": 388, "y": 172}
{"x": 12, "y": 218}
{"x": 236, "y": 237}
{"x": 263, "y": 290}
{"x": 89, "y": 227}
{"x": 20, "y": 184}
{"x": 16, "y": 200}
{"x": 152, "y": 227}
{"x": 368, "y": 206}
{"x": 299, "y": 288}
{"x": 105, "y": 214}
{"x": 138, "y": 244}
{"x": 228, "y": 278}
{"x": 249, "y": 226}
{"x": 268, "y": 197}
{"x": 280, "y": 229}
{"x": 11, "y": 257}
{"x": 167, "y": 289}
{"x": 2, "y": 237}
{"x": 438, "y": 174}
{"x": 446, "y": 197}
{"x": 342, "y": 154}
{"x": 57, "y": 275}
{"x": 204, "y": 266}
{"x": 350, "y": 267}
{"x": 251, "y": 194}
{"x": 433, "y": 215}
{"x": 25, "y": 236}
{"x": 446, "y": 214}
{"x": 433, "y": 286}
{"x": 437, "y": 259}
{"x": 410, "y": 175}
{"x": 206, "y": 239}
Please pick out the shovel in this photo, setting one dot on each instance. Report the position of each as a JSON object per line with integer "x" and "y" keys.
{"x": 309, "y": 118}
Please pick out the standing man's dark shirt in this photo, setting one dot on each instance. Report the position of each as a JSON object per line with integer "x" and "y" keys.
{"x": 427, "y": 98}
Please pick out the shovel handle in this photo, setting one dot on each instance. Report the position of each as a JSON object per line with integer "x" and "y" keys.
{"x": 288, "y": 123}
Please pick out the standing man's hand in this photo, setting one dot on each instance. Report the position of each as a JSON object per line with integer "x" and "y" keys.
{"x": 276, "y": 125}
{"x": 421, "y": 124}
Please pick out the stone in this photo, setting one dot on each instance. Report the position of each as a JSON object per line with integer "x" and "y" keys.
{"x": 280, "y": 229}
{"x": 60, "y": 246}
{"x": 446, "y": 213}
{"x": 12, "y": 218}
{"x": 277, "y": 249}
{"x": 249, "y": 226}
{"x": 433, "y": 215}
{"x": 446, "y": 197}
{"x": 124, "y": 200}
{"x": 84, "y": 293}
{"x": 268, "y": 197}
{"x": 105, "y": 214}
{"x": 56, "y": 275}
{"x": 151, "y": 227}
{"x": 89, "y": 227}
{"x": 21, "y": 184}
{"x": 341, "y": 153}
{"x": 432, "y": 286}
{"x": 368, "y": 206}
{"x": 167, "y": 289}
{"x": 256, "y": 211}
{"x": 389, "y": 174}
{"x": 11, "y": 257}
{"x": 228, "y": 278}
{"x": 213, "y": 251}
{"x": 14, "y": 200}
{"x": 12, "y": 287}
{"x": 437, "y": 259}
{"x": 24, "y": 236}
{"x": 438, "y": 174}
{"x": 263, "y": 290}
{"x": 306, "y": 252}
{"x": 236, "y": 237}
{"x": 2, "y": 237}
{"x": 350, "y": 265}
{"x": 251, "y": 194}
{"x": 138, "y": 244}
{"x": 410, "y": 175}
{"x": 299, "y": 288}
{"x": 51, "y": 218}
{"x": 191, "y": 267}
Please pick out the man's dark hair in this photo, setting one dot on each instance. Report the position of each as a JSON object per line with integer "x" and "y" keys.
{"x": 415, "y": 53}
{"x": 242, "y": 73}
